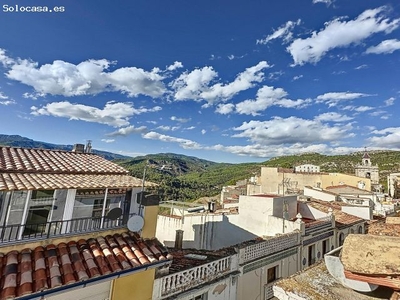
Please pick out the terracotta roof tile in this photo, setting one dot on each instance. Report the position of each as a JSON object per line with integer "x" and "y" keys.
{"x": 342, "y": 219}
{"x": 29, "y": 169}
{"x": 31, "y": 271}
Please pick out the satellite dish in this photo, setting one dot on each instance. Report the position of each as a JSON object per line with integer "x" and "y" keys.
{"x": 135, "y": 223}
{"x": 114, "y": 213}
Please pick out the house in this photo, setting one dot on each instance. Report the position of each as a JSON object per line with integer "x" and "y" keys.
{"x": 286, "y": 181}
{"x": 63, "y": 227}
{"x": 365, "y": 267}
{"x": 198, "y": 274}
{"x": 307, "y": 168}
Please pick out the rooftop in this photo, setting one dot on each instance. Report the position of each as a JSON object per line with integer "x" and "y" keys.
{"x": 316, "y": 283}
{"x": 49, "y": 268}
{"x": 30, "y": 169}
{"x": 342, "y": 219}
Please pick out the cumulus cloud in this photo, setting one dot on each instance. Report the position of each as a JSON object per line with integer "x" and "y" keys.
{"x": 334, "y": 98}
{"x": 281, "y": 131}
{"x": 284, "y": 32}
{"x": 168, "y": 128}
{"x": 197, "y": 84}
{"x": 174, "y": 66}
{"x": 385, "y": 47}
{"x": 390, "y": 101}
{"x": 114, "y": 114}
{"x": 340, "y": 33}
{"x": 89, "y": 77}
{"x": 225, "y": 108}
{"x": 7, "y": 102}
{"x": 128, "y": 130}
{"x": 332, "y": 117}
{"x": 388, "y": 137}
{"x": 184, "y": 143}
{"x": 269, "y": 96}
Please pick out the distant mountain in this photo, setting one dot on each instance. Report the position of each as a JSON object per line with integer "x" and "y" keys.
{"x": 20, "y": 141}
{"x": 187, "y": 178}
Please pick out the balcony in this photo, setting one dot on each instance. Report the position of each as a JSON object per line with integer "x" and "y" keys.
{"x": 182, "y": 281}
{"x": 18, "y": 232}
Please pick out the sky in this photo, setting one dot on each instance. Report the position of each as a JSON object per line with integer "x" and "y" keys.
{"x": 227, "y": 81}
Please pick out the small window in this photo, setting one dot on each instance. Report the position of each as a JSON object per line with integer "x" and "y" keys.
{"x": 341, "y": 239}
{"x": 200, "y": 297}
{"x": 272, "y": 274}
{"x": 360, "y": 229}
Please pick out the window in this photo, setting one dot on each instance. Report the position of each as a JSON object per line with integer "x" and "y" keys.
{"x": 341, "y": 239}
{"x": 200, "y": 297}
{"x": 325, "y": 247}
{"x": 311, "y": 255}
{"x": 360, "y": 229}
{"x": 272, "y": 274}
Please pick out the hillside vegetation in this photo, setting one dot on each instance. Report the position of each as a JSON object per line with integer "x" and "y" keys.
{"x": 188, "y": 178}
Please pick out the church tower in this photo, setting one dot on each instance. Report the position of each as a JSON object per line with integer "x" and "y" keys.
{"x": 367, "y": 170}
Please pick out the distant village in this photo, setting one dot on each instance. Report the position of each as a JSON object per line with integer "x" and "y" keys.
{"x": 77, "y": 226}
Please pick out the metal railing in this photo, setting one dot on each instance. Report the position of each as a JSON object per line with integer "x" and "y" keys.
{"x": 17, "y": 232}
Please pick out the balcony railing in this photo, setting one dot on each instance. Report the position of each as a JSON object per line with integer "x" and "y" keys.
{"x": 17, "y": 232}
{"x": 185, "y": 280}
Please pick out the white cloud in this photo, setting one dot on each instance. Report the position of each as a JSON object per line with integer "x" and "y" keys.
{"x": 282, "y": 131}
{"x": 284, "y": 32}
{"x": 7, "y": 102}
{"x": 168, "y": 128}
{"x": 5, "y": 59}
{"x": 203, "y": 131}
{"x": 268, "y": 96}
{"x": 196, "y": 84}
{"x": 174, "y": 66}
{"x": 108, "y": 140}
{"x": 180, "y": 120}
{"x": 334, "y": 98}
{"x": 297, "y": 77}
{"x": 390, "y": 101}
{"x": 86, "y": 78}
{"x": 128, "y": 130}
{"x": 184, "y": 143}
{"x": 339, "y": 33}
{"x": 361, "y": 67}
{"x": 388, "y": 137}
{"x": 385, "y": 47}
{"x": 3, "y": 96}
{"x": 225, "y": 108}
{"x": 327, "y": 2}
{"x": 332, "y": 117}
{"x": 114, "y": 114}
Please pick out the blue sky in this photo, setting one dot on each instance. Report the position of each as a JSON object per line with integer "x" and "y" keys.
{"x": 227, "y": 81}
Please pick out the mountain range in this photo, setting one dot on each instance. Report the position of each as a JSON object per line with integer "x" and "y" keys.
{"x": 183, "y": 178}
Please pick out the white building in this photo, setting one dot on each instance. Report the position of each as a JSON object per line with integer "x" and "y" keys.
{"x": 307, "y": 168}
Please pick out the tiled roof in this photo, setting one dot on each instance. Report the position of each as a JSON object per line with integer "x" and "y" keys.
{"x": 25, "y": 160}
{"x": 342, "y": 219}
{"x": 18, "y": 181}
{"x": 30, "y": 169}
{"x": 45, "y": 268}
